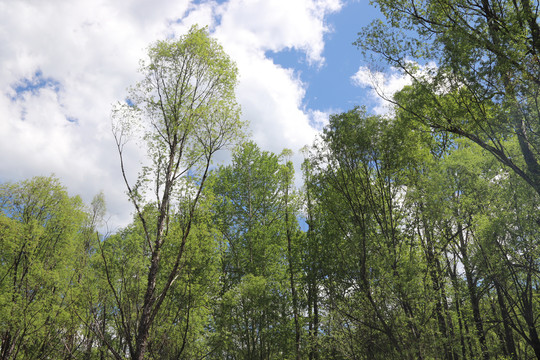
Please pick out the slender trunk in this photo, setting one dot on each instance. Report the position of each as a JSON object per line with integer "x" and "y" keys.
{"x": 312, "y": 268}
{"x": 528, "y": 313}
{"x": 7, "y": 346}
{"x": 463, "y": 328}
{"x": 505, "y": 315}
{"x": 315, "y": 322}
{"x": 473, "y": 294}
{"x": 310, "y": 317}
{"x": 434, "y": 275}
{"x": 291, "y": 274}
{"x": 103, "y": 329}
{"x": 535, "y": 342}
{"x": 145, "y": 321}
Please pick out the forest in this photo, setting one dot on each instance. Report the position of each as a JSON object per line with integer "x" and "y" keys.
{"x": 415, "y": 235}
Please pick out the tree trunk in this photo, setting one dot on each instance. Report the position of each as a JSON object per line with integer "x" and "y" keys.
{"x": 291, "y": 273}
{"x": 473, "y": 294}
{"x": 505, "y": 315}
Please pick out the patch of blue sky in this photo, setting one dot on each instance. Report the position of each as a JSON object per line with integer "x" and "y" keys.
{"x": 302, "y": 224}
{"x": 193, "y": 7}
{"x": 34, "y": 84}
{"x": 290, "y": 58}
{"x": 330, "y": 87}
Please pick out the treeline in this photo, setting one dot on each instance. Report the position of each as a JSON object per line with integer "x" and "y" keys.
{"x": 408, "y": 252}
{"x": 415, "y": 235}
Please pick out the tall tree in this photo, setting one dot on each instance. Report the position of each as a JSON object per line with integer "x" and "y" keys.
{"x": 482, "y": 80}
{"x": 256, "y": 218}
{"x": 359, "y": 174}
{"x": 292, "y": 246}
{"x": 312, "y": 259}
{"x": 186, "y": 108}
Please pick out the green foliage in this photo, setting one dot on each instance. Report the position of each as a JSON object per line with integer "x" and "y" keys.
{"x": 422, "y": 228}
{"x": 482, "y": 78}
{"x": 253, "y": 315}
{"x": 480, "y": 84}
{"x": 186, "y": 111}
{"x": 38, "y": 238}
{"x": 360, "y": 175}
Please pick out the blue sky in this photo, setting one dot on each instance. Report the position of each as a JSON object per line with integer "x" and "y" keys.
{"x": 330, "y": 87}
{"x": 65, "y": 63}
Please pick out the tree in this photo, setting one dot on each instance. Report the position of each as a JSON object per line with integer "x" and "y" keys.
{"x": 123, "y": 263}
{"x": 373, "y": 273}
{"x": 257, "y": 222}
{"x": 39, "y": 222}
{"x": 509, "y": 257}
{"x": 474, "y": 67}
{"x": 186, "y": 108}
{"x": 484, "y": 82}
{"x": 292, "y": 245}
{"x": 312, "y": 260}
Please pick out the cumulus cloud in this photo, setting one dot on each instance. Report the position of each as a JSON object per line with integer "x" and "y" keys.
{"x": 272, "y": 96}
{"x": 262, "y": 25}
{"x": 64, "y": 64}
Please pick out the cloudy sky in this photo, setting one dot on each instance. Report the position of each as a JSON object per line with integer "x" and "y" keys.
{"x": 65, "y": 63}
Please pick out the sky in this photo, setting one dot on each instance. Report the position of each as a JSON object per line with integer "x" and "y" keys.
{"x": 64, "y": 64}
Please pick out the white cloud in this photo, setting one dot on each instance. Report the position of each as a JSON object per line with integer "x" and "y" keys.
{"x": 319, "y": 119}
{"x": 263, "y": 25}
{"x": 271, "y": 96}
{"x": 86, "y": 53}
{"x": 384, "y": 85}
{"x": 91, "y": 50}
